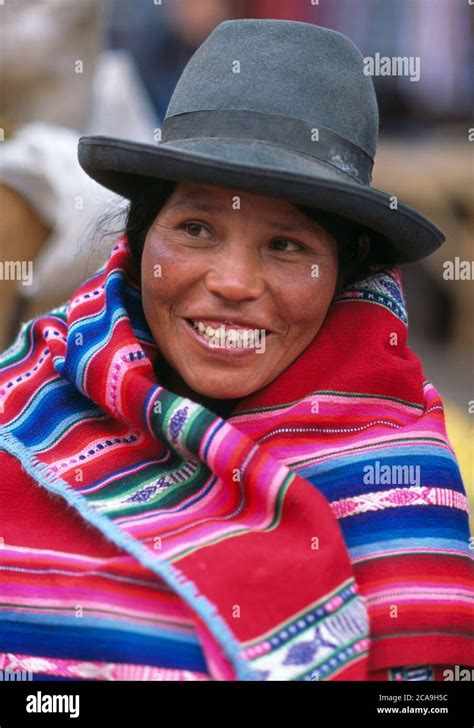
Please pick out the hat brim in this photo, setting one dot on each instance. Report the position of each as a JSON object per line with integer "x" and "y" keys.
{"x": 120, "y": 165}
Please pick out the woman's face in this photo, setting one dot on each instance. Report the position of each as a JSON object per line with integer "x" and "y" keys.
{"x": 214, "y": 255}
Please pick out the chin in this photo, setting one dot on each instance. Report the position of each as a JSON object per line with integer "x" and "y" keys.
{"x": 227, "y": 393}
{"x": 221, "y": 391}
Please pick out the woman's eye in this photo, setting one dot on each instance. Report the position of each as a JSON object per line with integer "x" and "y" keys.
{"x": 280, "y": 244}
{"x": 193, "y": 228}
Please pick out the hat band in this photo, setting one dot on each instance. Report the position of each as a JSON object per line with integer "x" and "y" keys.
{"x": 293, "y": 134}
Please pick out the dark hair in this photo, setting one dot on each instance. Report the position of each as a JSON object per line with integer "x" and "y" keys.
{"x": 145, "y": 204}
{"x": 358, "y": 247}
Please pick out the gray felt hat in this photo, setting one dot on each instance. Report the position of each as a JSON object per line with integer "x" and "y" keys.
{"x": 279, "y": 108}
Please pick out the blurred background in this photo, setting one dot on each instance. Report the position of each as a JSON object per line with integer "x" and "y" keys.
{"x": 75, "y": 67}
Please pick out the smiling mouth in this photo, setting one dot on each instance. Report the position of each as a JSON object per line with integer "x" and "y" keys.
{"x": 228, "y": 337}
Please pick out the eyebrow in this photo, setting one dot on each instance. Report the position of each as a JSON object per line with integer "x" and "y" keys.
{"x": 219, "y": 209}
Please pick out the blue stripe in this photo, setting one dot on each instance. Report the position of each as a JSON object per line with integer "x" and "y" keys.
{"x": 52, "y": 405}
{"x": 37, "y": 677}
{"x": 410, "y": 544}
{"x": 98, "y": 644}
{"x": 346, "y": 479}
{"x": 210, "y": 439}
{"x": 106, "y": 622}
{"x": 96, "y": 330}
{"x": 428, "y": 522}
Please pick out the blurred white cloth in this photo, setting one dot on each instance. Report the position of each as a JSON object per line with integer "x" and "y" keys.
{"x": 41, "y": 43}
{"x": 40, "y": 162}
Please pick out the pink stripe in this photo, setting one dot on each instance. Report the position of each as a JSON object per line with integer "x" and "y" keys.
{"x": 91, "y": 669}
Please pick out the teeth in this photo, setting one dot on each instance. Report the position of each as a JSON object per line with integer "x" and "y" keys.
{"x": 207, "y": 332}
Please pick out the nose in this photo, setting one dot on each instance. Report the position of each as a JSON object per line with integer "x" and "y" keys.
{"x": 236, "y": 274}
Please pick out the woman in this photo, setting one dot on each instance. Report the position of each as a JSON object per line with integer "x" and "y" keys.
{"x": 220, "y": 458}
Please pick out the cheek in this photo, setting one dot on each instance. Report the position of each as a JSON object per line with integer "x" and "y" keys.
{"x": 166, "y": 277}
{"x": 304, "y": 301}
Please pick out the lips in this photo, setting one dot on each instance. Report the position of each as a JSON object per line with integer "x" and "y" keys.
{"x": 244, "y": 342}
{"x": 237, "y": 324}
{"x": 240, "y": 335}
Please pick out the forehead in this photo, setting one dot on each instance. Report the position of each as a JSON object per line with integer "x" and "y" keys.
{"x": 216, "y": 199}
{"x": 195, "y": 190}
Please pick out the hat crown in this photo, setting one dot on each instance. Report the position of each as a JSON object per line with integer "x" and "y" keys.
{"x": 284, "y": 67}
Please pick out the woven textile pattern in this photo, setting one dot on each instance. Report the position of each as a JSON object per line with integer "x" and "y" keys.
{"x": 320, "y": 532}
